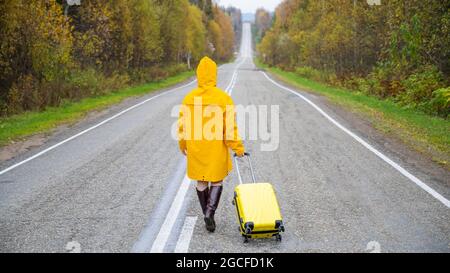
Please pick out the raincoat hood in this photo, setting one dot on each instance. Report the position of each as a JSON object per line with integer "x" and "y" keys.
{"x": 206, "y": 73}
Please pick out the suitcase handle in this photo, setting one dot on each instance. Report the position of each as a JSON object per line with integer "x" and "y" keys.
{"x": 249, "y": 163}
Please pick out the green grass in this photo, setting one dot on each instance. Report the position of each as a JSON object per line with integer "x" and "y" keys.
{"x": 22, "y": 125}
{"x": 427, "y": 134}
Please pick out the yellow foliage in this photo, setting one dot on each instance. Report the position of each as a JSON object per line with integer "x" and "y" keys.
{"x": 195, "y": 33}
{"x": 45, "y": 54}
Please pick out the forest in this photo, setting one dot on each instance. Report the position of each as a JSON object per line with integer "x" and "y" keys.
{"x": 51, "y": 52}
{"x": 397, "y": 50}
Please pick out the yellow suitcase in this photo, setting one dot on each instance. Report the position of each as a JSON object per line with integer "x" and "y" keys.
{"x": 257, "y": 208}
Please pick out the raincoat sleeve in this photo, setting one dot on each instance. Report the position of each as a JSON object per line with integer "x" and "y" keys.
{"x": 181, "y": 128}
{"x": 231, "y": 134}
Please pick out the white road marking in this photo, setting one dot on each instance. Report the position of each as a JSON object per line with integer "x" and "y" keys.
{"x": 231, "y": 82}
{"x": 186, "y": 234}
{"x": 91, "y": 128}
{"x": 232, "y": 86}
{"x": 172, "y": 215}
{"x": 73, "y": 247}
{"x": 411, "y": 177}
{"x": 159, "y": 212}
{"x": 373, "y": 247}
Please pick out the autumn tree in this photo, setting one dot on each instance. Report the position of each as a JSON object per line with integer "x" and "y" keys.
{"x": 93, "y": 32}
{"x": 123, "y": 19}
{"x": 146, "y": 43}
{"x": 172, "y": 15}
{"x": 236, "y": 20}
{"x": 35, "y": 45}
{"x": 221, "y": 35}
{"x": 263, "y": 21}
{"x": 396, "y": 49}
{"x": 195, "y": 36}
{"x": 50, "y": 53}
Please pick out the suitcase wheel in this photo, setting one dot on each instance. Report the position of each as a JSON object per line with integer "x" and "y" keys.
{"x": 245, "y": 239}
{"x": 278, "y": 237}
{"x": 232, "y": 202}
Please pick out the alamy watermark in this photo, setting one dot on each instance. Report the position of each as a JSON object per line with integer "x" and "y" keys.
{"x": 200, "y": 121}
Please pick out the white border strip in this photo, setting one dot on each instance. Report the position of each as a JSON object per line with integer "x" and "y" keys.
{"x": 411, "y": 177}
{"x": 172, "y": 215}
{"x": 230, "y": 86}
{"x": 186, "y": 234}
{"x": 92, "y": 128}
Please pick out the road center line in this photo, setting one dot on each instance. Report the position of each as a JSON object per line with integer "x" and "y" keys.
{"x": 232, "y": 86}
{"x": 172, "y": 215}
{"x": 186, "y": 234}
{"x": 404, "y": 172}
{"x": 159, "y": 212}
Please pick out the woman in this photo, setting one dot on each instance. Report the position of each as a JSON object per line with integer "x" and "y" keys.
{"x": 206, "y": 131}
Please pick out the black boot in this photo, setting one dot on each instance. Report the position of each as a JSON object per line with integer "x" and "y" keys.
{"x": 213, "y": 202}
{"x": 203, "y": 198}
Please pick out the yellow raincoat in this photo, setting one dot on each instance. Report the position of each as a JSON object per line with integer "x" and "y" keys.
{"x": 207, "y": 127}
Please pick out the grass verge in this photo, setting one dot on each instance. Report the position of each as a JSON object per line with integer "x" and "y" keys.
{"x": 22, "y": 125}
{"x": 427, "y": 134}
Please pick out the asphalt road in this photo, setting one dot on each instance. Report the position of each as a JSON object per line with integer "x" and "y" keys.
{"x": 120, "y": 186}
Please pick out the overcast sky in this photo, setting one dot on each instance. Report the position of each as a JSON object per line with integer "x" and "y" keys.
{"x": 250, "y": 5}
